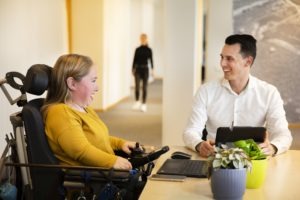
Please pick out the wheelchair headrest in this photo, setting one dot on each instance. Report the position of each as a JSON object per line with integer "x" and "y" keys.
{"x": 37, "y": 79}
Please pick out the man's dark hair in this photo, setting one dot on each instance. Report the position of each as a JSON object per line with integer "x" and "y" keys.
{"x": 247, "y": 43}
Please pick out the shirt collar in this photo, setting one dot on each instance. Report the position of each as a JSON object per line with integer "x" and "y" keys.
{"x": 251, "y": 84}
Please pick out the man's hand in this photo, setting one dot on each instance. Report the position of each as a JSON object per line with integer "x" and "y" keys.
{"x": 267, "y": 148}
{"x": 206, "y": 148}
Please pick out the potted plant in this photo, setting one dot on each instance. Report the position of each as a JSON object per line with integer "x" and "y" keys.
{"x": 257, "y": 174}
{"x": 227, "y": 171}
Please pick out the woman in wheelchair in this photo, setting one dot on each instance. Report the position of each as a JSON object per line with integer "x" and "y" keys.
{"x": 75, "y": 133}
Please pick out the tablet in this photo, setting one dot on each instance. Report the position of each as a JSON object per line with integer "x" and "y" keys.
{"x": 163, "y": 177}
{"x": 228, "y": 134}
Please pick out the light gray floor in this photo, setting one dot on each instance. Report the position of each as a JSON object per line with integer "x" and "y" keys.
{"x": 146, "y": 128}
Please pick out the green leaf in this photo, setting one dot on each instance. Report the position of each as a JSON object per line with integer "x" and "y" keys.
{"x": 236, "y": 164}
{"x": 216, "y": 164}
{"x": 229, "y": 158}
{"x": 240, "y": 143}
{"x": 251, "y": 149}
{"x": 238, "y": 157}
{"x": 218, "y": 155}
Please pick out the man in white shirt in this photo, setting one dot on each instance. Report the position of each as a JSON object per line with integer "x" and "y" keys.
{"x": 239, "y": 99}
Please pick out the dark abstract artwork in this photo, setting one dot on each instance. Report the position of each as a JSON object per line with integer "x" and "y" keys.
{"x": 276, "y": 26}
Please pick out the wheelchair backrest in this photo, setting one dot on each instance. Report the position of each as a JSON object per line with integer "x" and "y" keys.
{"x": 38, "y": 150}
{"x": 36, "y": 82}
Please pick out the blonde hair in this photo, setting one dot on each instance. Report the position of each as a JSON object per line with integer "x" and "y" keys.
{"x": 69, "y": 65}
{"x": 144, "y": 39}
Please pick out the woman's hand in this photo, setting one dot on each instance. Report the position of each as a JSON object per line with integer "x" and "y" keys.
{"x": 127, "y": 145}
{"x": 122, "y": 163}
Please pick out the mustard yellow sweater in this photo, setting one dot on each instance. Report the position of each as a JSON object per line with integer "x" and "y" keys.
{"x": 78, "y": 138}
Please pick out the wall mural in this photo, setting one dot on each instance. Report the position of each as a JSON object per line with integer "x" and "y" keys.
{"x": 276, "y": 26}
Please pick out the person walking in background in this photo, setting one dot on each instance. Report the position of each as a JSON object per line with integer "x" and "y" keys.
{"x": 140, "y": 71}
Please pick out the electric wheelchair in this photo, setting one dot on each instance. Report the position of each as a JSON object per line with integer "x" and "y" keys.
{"x": 39, "y": 174}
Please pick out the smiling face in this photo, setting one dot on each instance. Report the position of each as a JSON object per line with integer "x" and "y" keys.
{"x": 234, "y": 65}
{"x": 83, "y": 91}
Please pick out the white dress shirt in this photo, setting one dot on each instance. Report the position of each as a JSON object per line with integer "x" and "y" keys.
{"x": 217, "y": 105}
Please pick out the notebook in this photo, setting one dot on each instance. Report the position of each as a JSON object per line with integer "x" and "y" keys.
{"x": 184, "y": 167}
{"x": 227, "y": 134}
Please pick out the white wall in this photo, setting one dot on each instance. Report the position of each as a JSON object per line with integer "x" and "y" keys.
{"x": 146, "y": 16}
{"x": 183, "y": 52}
{"x": 31, "y": 32}
{"x": 124, "y": 21}
{"x": 219, "y": 26}
{"x": 157, "y": 38}
{"x": 182, "y": 30}
{"x": 116, "y": 51}
{"x": 110, "y": 38}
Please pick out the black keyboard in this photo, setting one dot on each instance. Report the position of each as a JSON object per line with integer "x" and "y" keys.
{"x": 193, "y": 168}
{"x": 185, "y": 167}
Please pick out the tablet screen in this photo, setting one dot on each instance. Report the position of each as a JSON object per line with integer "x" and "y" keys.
{"x": 227, "y": 134}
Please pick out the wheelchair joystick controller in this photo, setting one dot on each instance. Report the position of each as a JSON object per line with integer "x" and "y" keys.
{"x": 144, "y": 159}
{"x": 137, "y": 150}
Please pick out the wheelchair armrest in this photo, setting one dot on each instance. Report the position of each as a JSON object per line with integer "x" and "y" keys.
{"x": 74, "y": 167}
{"x": 79, "y": 173}
{"x": 102, "y": 175}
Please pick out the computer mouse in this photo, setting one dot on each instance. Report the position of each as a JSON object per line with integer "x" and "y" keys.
{"x": 180, "y": 155}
